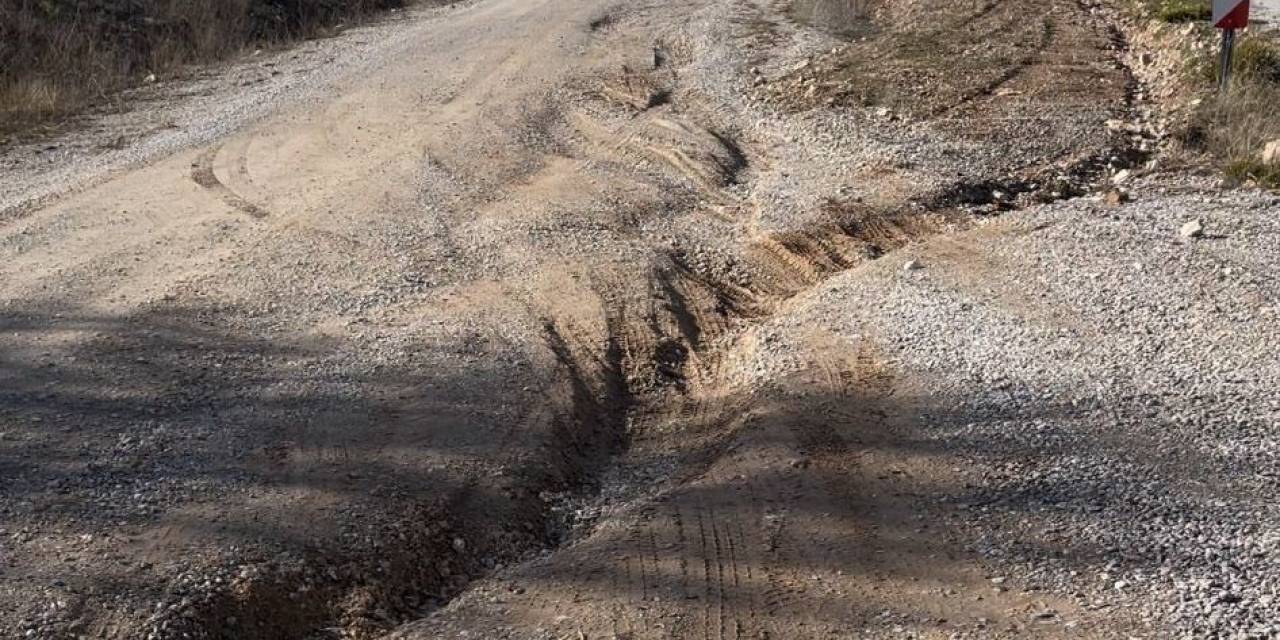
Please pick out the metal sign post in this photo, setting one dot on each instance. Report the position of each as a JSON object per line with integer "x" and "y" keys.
{"x": 1228, "y": 47}
{"x": 1229, "y": 15}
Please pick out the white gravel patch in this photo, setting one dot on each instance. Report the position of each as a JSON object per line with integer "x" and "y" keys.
{"x": 1115, "y": 386}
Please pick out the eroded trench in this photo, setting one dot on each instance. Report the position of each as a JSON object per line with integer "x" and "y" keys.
{"x": 653, "y": 357}
{"x": 650, "y": 363}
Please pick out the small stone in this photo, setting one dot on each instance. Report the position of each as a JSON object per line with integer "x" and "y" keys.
{"x": 1120, "y": 585}
{"x": 912, "y": 265}
{"x": 1193, "y": 229}
{"x": 1121, "y": 176}
{"x": 1115, "y": 197}
{"x": 459, "y": 545}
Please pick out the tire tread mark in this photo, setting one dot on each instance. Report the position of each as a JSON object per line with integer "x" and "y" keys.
{"x": 719, "y": 557}
{"x": 202, "y": 173}
{"x": 706, "y": 576}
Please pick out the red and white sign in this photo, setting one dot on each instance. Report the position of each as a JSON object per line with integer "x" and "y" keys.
{"x": 1230, "y": 14}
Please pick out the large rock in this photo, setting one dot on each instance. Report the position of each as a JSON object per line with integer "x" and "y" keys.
{"x": 1271, "y": 152}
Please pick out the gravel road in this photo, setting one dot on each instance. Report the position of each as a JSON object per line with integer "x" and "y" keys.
{"x": 675, "y": 319}
{"x": 1267, "y": 11}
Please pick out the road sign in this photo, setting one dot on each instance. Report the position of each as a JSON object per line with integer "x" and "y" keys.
{"x": 1230, "y": 14}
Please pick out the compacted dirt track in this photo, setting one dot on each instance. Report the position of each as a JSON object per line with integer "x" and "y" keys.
{"x": 493, "y": 305}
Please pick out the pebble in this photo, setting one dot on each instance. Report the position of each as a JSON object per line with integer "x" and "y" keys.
{"x": 1192, "y": 229}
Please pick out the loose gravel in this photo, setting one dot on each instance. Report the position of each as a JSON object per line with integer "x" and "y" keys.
{"x": 1112, "y": 389}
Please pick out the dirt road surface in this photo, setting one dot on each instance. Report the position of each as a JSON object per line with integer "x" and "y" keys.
{"x": 663, "y": 319}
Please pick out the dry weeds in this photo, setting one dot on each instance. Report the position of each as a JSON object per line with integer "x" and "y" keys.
{"x": 58, "y": 57}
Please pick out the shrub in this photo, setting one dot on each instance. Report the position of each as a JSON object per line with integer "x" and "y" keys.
{"x": 1257, "y": 59}
{"x": 1184, "y": 10}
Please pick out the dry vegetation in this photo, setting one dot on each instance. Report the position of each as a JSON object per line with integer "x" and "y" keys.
{"x": 1228, "y": 128}
{"x": 1181, "y": 10}
{"x": 1234, "y": 127}
{"x": 60, "y": 56}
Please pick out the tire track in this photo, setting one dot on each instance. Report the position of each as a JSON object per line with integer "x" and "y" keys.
{"x": 203, "y": 174}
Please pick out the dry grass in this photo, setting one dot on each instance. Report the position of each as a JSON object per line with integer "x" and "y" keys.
{"x": 58, "y": 57}
{"x": 1234, "y": 127}
{"x": 1252, "y": 169}
{"x": 1174, "y": 11}
{"x": 1257, "y": 61}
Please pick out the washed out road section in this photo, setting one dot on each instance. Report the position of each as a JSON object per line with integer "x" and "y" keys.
{"x": 571, "y": 318}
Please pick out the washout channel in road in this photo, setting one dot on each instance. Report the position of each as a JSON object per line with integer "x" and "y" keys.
{"x": 443, "y": 322}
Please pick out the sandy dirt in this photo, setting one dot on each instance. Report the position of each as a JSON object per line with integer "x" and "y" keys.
{"x": 504, "y": 326}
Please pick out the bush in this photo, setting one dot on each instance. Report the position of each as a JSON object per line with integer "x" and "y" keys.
{"x": 1257, "y": 60}
{"x": 1252, "y": 168}
{"x": 1184, "y": 10}
{"x": 57, "y": 56}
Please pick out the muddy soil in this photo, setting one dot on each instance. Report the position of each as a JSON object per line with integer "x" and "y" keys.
{"x": 483, "y": 309}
